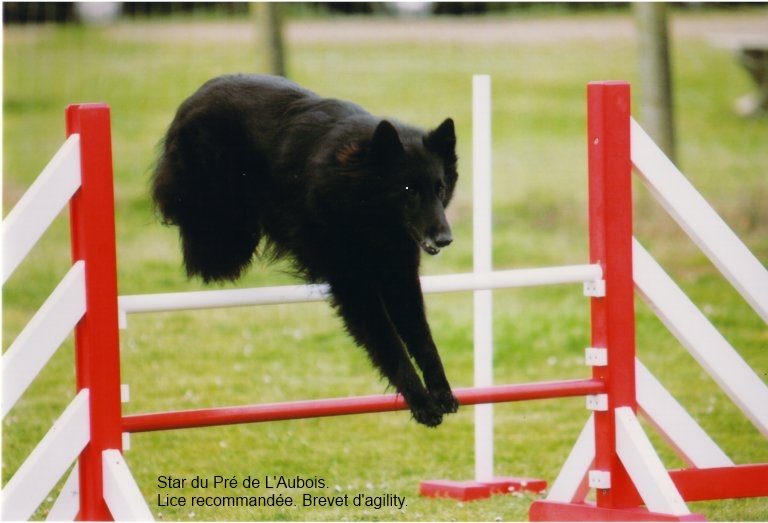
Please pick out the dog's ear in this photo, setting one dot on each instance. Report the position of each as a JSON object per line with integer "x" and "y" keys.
{"x": 443, "y": 139}
{"x": 386, "y": 144}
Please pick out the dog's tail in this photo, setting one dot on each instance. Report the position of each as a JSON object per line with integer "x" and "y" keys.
{"x": 200, "y": 186}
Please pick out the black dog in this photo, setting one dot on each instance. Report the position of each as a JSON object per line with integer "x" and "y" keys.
{"x": 349, "y": 197}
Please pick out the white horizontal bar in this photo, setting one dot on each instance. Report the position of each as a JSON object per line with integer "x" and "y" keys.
{"x": 511, "y": 278}
{"x": 121, "y": 493}
{"x": 701, "y": 338}
{"x": 42, "y": 202}
{"x": 318, "y": 292}
{"x": 225, "y": 298}
{"x": 700, "y": 221}
{"x": 44, "y": 333}
{"x": 48, "y": 462}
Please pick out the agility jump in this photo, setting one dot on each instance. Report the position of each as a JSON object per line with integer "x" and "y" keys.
{"x": 612, "y": 454}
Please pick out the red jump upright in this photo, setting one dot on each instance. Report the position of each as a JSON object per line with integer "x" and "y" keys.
{"x": 97, "y": 342}
{"x": 613, "y": 455}
{"x": 612, "y": 308}
{"x": 610, "y": 245}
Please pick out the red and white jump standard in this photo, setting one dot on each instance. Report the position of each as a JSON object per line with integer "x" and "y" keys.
{"x": 618, "y": 440}
{"x": 612, "y": 456}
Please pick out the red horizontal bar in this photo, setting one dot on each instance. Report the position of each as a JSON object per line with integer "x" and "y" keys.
{"x": 353, "y": 405}
{"x": 738, "y": 481}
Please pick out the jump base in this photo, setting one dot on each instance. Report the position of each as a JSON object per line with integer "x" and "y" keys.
{"x": 554, "y": 511}
{"x": 472, "y": 490}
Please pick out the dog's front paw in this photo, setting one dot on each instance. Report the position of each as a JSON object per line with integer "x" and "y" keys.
{"x": 428, "y": 418}
{"x": 428, "y": 413}
{"x": 446, "y": 401}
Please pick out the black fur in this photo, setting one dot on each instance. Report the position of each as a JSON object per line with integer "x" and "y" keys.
{"x": 259, "y": 165}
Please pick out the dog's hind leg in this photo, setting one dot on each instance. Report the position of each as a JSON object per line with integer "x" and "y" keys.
{"x": 362, "y": 309}
{"x": 208, "y": 189}
{"x": 405, "y": 304}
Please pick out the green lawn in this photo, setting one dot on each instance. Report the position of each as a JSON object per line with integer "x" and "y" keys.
{"x": 277, "y": 353}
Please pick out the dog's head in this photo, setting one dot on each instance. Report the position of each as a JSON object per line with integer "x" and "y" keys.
{"x": 420, "y": 172}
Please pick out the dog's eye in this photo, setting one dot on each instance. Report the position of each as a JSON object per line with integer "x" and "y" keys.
{"x": 440, "y": 191}
{"x": 411, "y": 191}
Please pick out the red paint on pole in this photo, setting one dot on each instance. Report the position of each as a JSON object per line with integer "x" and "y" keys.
{"x": 353, "y": 405}
{"x": 610, "y": 237}
{"x": 92, "y": 219}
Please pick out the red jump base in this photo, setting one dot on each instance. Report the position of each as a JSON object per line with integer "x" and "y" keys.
{"x": 472, "y": 490}
{"x": 553, "y": 511}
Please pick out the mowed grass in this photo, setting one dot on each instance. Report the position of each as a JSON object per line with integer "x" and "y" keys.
{"x": 289, "y": 352}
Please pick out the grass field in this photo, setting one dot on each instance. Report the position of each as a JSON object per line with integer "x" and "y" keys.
{"x": 539, "y": 65}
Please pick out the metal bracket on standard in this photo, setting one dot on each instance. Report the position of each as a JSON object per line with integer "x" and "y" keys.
{"x": 594, "y": 289}
{"x": 596, "y": 357}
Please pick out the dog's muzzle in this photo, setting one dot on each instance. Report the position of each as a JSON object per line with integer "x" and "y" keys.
{"x": 432, "y": 245}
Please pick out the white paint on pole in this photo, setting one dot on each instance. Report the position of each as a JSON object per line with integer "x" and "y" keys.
{"x": 43, "y": 335}
{"x": 700, "y": 221}
{"x": 702, "y": 340}
{"x": 673, "y": 422}
{"x": 571, "y": 484}
{"x": 40, "y": 205}
{"x": 121, "y": 493}
{"x": 191, "y": 300}
{"x": 67, "y": 505}
{"x": 483, "y": 299}
{"x": 644, "y": 466}
{"x": 48, "y": 462}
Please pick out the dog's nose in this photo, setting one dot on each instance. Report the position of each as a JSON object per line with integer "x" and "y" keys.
{"x": 443, "y": 240}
